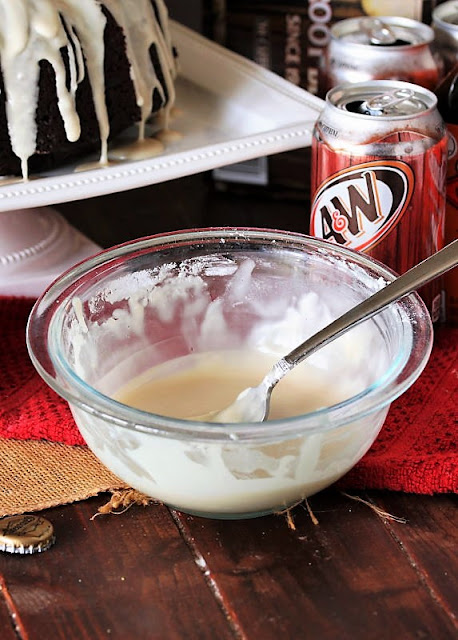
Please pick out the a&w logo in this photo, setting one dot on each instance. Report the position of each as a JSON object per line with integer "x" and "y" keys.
{"x": 356, "y": 207}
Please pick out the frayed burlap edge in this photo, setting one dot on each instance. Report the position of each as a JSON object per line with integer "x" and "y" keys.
{"x": 36, "y": 475}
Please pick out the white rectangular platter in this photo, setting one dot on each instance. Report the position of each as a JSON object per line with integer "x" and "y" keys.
{"x": 231, "y": 110}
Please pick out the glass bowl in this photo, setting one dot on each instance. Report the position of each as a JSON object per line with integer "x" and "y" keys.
{"x": 233, "y": 297}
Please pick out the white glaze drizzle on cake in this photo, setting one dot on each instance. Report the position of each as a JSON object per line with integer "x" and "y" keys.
{"x": 34, "y": 30}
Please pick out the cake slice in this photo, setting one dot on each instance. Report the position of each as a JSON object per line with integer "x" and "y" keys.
{"x": 75, "y": 73}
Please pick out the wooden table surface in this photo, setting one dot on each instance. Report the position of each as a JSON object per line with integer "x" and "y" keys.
{"x": 155, "y": 573}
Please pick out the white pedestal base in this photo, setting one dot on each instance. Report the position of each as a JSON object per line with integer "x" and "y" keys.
{"x": 37, "y": 246}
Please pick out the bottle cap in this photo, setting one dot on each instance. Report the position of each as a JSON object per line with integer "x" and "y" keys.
{"x": 25, "y": 534}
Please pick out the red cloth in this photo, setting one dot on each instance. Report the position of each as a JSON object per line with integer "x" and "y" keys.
{"x": 29, "y": 409}
{"x": 415, "y": 452}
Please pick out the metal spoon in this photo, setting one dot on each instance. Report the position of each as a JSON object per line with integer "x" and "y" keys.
{"x": 253, "y": 404}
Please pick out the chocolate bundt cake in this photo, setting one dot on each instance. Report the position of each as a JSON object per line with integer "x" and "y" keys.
{"x": 75, "y": 73}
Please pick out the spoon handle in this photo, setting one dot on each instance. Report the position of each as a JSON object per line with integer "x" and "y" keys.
{"x": 421, "y": 274}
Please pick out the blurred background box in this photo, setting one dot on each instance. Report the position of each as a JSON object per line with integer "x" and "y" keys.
{"x": 189, "y": 13}
{"x": 290, "y": 38}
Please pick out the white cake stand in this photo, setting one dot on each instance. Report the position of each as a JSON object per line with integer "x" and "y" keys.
{"x": 36, "y": 246}
{"x": 230, "y": 110}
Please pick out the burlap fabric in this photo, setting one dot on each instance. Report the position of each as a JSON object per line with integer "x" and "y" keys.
{"x": 36, "y": 475}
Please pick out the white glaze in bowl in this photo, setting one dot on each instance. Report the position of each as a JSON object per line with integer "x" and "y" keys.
{"x": 152, "y": 300}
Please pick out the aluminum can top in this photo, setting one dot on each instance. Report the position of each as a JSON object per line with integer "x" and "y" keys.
{"x": 389, "y": 31}
{"x": 445, "y": 16}
{"x": 382, "y": 99}
{"x": 445, "y": 26}
{"x": 356, "y": 113}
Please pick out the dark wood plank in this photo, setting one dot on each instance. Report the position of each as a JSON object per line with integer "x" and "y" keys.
{"x": 344, "y": 578}
{"x": 125, "y": 577}
{"x": 10, "y": 628}
{"x": 430, "y": 540}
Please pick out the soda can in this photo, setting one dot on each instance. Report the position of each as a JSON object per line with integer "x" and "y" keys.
{"x": 447, "y": 96}
{"x": 445, "y": 27}
{"x": 379, "y": 160}
{"x": 392, "y": 48}
{"x": 451, "y": 225}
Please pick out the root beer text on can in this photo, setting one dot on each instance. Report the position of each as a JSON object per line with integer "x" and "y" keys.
{"x": 379, "y": 158}
{"x": 394, "y": 48}
{"x": 445, "y": 27}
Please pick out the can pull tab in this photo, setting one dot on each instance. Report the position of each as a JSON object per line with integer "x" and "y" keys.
{"x": 377, "y": 31}
{"x": 387, "y": 102}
